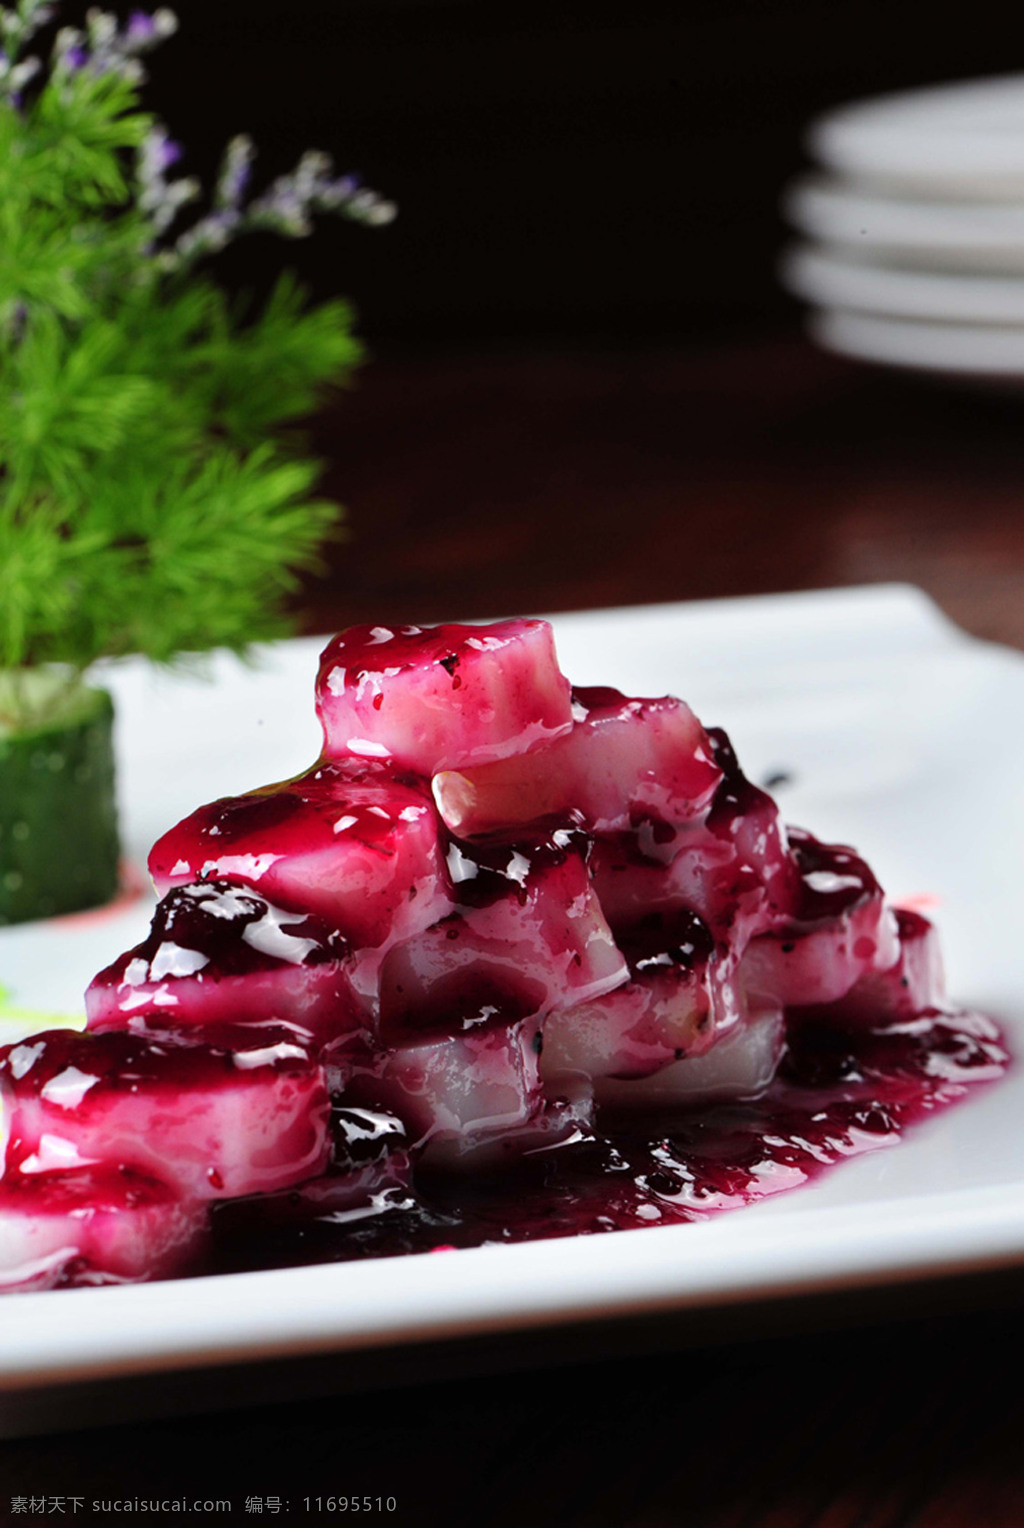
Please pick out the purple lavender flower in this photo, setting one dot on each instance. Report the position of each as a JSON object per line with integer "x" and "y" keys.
{"x": 166, "y": 152}
{"x": 23, "y": 72}
{"x": 101, "y": 27}
{"x": 146, "y": 31}
{"x": 287, "y": 206}
{"x": 157, "y": 153}
{"x": 206, "y": 237}
{"x": 69, "y": 53}
{"x": 141, "y": 29}
{"x": 282, "y": 209}
{"x": 235, "y": 172}
{"x": 17, "y": 27}
{"x": 103, "y": 49}
{"x": 160, "y": 199}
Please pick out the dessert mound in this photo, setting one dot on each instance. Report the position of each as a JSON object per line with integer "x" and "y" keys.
{"x": 511, "y": 959}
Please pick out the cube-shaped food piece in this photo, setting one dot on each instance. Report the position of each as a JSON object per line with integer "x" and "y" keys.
{"x": 732, "y": 867}
{"x": 216, "y": 953}
{"x": 913, "y": 983}
{"x": 527, "y": 935}
{"x": 643, "y": 765}
{"x": 456, "y": 1094}
{"x": 740, "y": 1065}
{"x": 440, "y": 697}
{"x": 94, "y": 1226}
{"x": 349, "y": 841}
{"x": 680, "y": 996}
{"x": 839, "y": 930}
{"x": 212, "y": 1111}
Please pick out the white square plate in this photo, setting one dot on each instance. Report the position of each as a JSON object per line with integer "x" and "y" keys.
{"x": 902, "y": 736}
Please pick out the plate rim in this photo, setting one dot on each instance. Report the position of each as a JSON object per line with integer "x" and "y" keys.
{"x": 961, "y": 350}
{"x": 816, "y": 274}
{"x": 924, "y": 134}
{"x": 830, "y": 210}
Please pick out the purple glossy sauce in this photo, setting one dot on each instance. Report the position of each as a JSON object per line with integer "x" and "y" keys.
{"x": 457, "y": 1001}
{"x": 833, "y": 880}
{"x": 485, "y": 870}
{"x": 296, "y": 816}
{"x": 737, "y": 796}
{"x": 838, "y": 1093}
{"x": 212, "y": 920}
{"x": 373, "y": 650}
{"x": 174, "y": 1059}
{"x": 674, "y": 938}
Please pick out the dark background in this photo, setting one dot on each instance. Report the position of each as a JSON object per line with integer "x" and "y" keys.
{"x": 566, "y": 171}
{"x": 587, "y": 387}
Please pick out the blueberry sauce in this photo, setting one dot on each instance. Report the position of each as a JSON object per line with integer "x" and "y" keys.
{"x": 364, "y": 651}
{"x": 229, "y": 930}
{"x": 662, "y": 939}
{"x": 832, "y": 880}
{"x": 484, "y": 870}
{"x": 454, "y": 1002}
{"x": 839, "y": 1092}
{"x": 299, "y": 815}
{"x": 736, "y": 796}
{"x": 210, "y": 1056}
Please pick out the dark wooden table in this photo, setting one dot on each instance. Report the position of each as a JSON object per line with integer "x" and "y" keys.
{"x": 510, "y": 483}
{"x": 490, "y": 485}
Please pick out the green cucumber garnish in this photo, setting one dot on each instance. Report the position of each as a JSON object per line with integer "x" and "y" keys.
{"x": 58, "y": 825}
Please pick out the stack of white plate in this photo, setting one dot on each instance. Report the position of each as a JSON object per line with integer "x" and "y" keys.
{"x": 916, "y": 229}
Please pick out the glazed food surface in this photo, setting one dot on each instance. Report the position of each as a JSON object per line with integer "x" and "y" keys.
{"x": 839, "y": 1092}
{"x": 509, "y": 961}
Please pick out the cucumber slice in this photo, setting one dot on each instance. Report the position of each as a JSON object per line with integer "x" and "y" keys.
{"x": 58, "y": 822}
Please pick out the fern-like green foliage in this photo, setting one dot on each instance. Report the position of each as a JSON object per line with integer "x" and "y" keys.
{"x": 150, "y": 501}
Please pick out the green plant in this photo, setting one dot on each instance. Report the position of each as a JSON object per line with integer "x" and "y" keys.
{"x": 149, "y": 500}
